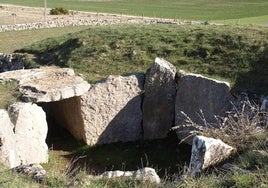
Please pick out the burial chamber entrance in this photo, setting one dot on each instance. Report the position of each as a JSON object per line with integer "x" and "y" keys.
{"x": 65, "y": 127}
{"x": 64, "y": 121}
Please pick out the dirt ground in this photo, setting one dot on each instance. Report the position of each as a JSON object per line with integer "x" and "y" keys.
{"x": 11, "y": 14}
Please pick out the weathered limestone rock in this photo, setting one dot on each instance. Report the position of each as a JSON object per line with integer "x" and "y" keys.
{"x": 144, "y": 174}
{"x": 207, "y": 152}
{"x": 23, "y": 136}
{"x": 159, "y": 99}
{"x": 47, "y": 84}
{"x": 196, "y": 93}
{"x": 7, "y": 141}
{"x": 111, "y": 110}
{"x": 35, "y": 171}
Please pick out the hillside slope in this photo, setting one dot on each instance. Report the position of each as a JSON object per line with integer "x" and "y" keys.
{"x": 236, "y": 54}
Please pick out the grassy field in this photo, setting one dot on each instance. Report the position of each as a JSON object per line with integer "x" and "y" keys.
{"x": 9, "y": 41}
{"x": 206, "y": 10}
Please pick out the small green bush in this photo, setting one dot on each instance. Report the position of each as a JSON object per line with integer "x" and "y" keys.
{"x": 59, "y": 11}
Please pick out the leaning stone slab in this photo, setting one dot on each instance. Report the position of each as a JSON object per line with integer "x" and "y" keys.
{"x": 159, "y": 99}
{"x": 23, "y": 135}
{"x": 111, "y": 110}
{"x": 207, "y": 152}
{"x": 200, "y": 99}
{"x": 47, "y": 84}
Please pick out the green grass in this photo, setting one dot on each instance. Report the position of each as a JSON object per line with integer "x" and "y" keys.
{"x": 8, "y": 94}
{"x": 183, "y": 9}
{"x": 62, "y": 174}
{"x": 9, "y": 41}
{"x": 259, "y": 20}
{"x": 8, "y": 179}
{"x": 234, "y": 53}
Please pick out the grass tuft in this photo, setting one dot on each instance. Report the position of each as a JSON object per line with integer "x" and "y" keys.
{"x": 8, "y": 94}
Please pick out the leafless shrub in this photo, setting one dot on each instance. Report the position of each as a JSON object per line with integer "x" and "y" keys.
{"x": 240, "y": 128}
{"x": 72, "y": 170}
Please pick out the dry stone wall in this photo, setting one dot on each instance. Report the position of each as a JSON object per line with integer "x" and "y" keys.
{"x": 90, "y": 19}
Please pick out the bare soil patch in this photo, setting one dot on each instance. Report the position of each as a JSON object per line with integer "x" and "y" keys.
{"x": 10, "y": 14}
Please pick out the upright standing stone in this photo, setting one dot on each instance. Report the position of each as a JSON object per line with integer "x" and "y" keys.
{"x": 111, "y": 110}
{"x": 159, "y": 99}
{"x": 201, "y": 99}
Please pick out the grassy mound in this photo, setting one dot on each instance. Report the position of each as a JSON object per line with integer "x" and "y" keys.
{"x": 236, "y": 54}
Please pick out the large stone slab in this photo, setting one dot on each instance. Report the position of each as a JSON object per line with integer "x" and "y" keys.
{"x": 159, "y": 99}
{"x": 111, "y": 110}
{"x": 196, "y": 94}
{"x": 207, "y": 152}
{"x": 23, "y": 135}
{"x": 47, "y": 84}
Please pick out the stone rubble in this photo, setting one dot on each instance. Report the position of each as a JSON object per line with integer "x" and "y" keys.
{"x": 90, "y": 19}
{"x": 9, "y": 62}
{"x": 145, "y": 174}
{"x": 35, "y": 171}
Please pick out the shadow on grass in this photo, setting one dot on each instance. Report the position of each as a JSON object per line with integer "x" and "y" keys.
{"x": 254, "y": 81}
{"x": 56, "y": 52}
{"x": 167, "y": 156}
